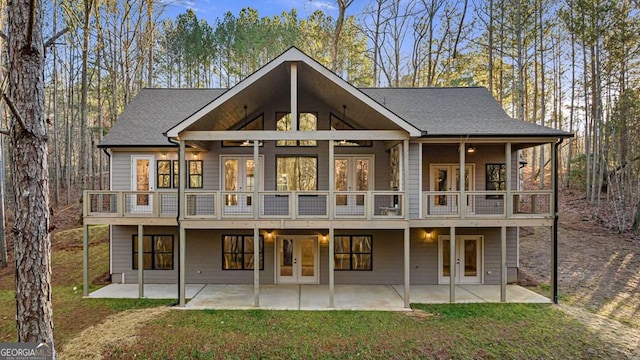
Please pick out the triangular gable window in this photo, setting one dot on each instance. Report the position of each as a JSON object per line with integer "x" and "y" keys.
{"x": 256, "y": 123}
{"x": 339, "y": 125}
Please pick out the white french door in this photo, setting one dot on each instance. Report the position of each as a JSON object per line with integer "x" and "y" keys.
{"x": 353, "y": 174}
{"x": 297, "y": 259}
{"x": 142, "y": 179}
{"x": 468, "y": 257}
{"x": 238, "y": 181}
{"x": 446, "y": 177}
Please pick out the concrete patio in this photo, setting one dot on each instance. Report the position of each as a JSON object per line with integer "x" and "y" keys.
{"x": 316, "y": 297}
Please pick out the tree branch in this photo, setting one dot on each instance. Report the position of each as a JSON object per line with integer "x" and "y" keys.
{"x": 55, "y": 37}
{"x": 15, "y": 112}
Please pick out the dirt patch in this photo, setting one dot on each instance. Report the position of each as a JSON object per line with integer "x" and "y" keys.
{"x": 625, "y": 339}
{"x": 120, "y": 329}
{"x": 598, "y": 271}
{"x": 419, "y": 314}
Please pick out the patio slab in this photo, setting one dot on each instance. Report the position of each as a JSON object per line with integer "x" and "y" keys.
{"x": 316, "y": 297}
{"x": 151, "y": 291}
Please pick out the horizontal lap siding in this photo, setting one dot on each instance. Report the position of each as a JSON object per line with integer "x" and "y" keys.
{"x": 122, "y": 252}
{"x": 413, "y": 194}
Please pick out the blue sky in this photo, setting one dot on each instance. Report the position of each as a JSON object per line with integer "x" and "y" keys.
{"x": 212, "y": 9}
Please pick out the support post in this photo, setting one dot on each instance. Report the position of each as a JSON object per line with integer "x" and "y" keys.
{"x": 256, "y": 266}
{"x": 182, "y": 169}
{"x": 405, "y": 178}
{"x": 182, "y": 286}
{"x": 331, "y": 270}
{"x": 85, "y": 260}
{"x": 256, "y": 231}
{"x": 554, "y": 229}
{"x": 407, "y": 266}
{"x": 461, "y": 183}
{"x": 509, "y": 169}
{"x": 503, "y": 264}
{"x": 452, "y": 264}
{"x": 140, "y": 261}
{"x": 294, "y": 96}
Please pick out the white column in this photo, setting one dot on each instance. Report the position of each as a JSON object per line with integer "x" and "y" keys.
{"x": 85, "y": 260}
{"x": 420, "y": 180}
{"x": 294, "y": 96}
{"x": 256, "y": 266}
{"x": 182, "y": 169}
{"x": 256, "y": 179}
{"x": 140, "y": 261}
{"x": 503, "y": 264}
{"x": 407, "y": 266}
{"x": 332, "y": 180}
{"x": 463, "y": 196}
{"x": 452, "y": 264}
{"x": 509, "y": 199}
{"x": 331, "y": 270}
{"x": 405, "y": 178}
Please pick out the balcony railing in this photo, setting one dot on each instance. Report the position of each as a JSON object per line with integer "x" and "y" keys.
{"x": 237, "y": 204}
{"x": 487, "y": 204}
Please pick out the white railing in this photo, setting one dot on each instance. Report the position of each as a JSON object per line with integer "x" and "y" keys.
{"x": 202, "y": 204}
{"x": 525, "y": 204}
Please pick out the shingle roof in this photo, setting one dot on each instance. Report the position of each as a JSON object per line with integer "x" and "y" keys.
{"x": 468, "y": 111}
{"x": 441, "y": 112}
{"x": 152, "y": 112}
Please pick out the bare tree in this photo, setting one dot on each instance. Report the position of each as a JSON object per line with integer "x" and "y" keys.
{"x": 28, "y": 133}
{"x": 342, "y": 9}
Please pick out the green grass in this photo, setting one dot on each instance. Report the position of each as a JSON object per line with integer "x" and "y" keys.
{"x": 465, "y": 331}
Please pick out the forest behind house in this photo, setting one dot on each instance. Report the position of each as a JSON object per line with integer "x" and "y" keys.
{"x": 570, "y": 65}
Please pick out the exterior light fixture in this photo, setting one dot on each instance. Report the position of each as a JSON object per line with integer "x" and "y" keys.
{"x": 471, "y": 149}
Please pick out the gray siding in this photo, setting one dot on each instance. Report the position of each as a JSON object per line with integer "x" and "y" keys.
{"x": 414, "y": 181}
{"x": 204, "y": 257}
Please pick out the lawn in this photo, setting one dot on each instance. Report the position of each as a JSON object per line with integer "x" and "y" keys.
{"x": 463, "y": 331}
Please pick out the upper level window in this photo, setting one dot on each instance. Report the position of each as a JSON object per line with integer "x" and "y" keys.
{"x": 256, "y": 123}
{"x": 168, "y": 176}
{"x": 297, "y": 173}
{"x": 496, "y": 177}
{"x": 307, "y": 122}
{"x": 339, "y": 125}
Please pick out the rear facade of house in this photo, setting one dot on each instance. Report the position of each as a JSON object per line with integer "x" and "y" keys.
{"x": 295, "y": 176}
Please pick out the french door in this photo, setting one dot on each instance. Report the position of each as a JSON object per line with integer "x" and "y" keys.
{"x": 297, "y": 259}
{"x": 446, "y": 178}
{"x": 353, "y": 175}
{"x": 238, "y": 181}
{"x": 142, "y": 179}
{"x": 468, "y": 258}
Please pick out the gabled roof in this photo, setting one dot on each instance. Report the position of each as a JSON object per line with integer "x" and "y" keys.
{"x": 152, "y": 111}
{"x": 321, "y": 75}
{"x": 455, "y": 112}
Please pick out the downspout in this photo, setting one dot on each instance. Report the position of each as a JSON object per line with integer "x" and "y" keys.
{"x": 555, "y": 220}
{"x": 178, "y": 216}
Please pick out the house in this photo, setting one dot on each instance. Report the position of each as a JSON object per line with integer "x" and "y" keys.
{"x": 295, "y": 176}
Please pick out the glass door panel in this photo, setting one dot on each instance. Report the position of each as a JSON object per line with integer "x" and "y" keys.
{"x": 297, "y": 261}
{"x": 468, "y": 256}
{"x": 352, "y": 173}
{"x": 142, "y": 180}
{"x": 238, "y": 181}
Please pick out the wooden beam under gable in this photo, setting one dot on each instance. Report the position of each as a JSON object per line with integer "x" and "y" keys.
{"x": 265, "y": 135}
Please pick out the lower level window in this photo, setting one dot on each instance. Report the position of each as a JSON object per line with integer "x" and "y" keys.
{"x": 157, "y": 252}
{"x": 237, "y": 252}
{"x": 353, "y": 252}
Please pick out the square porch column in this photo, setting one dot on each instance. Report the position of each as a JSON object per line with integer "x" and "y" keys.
{"x": 140, "y": 261}
{"x": 452, "y": 264}
{"x": 503, "y": 264}
{"x": 182, "y": 169}
{"x": 407, "y": 266}
{"x": 85, "y": 260}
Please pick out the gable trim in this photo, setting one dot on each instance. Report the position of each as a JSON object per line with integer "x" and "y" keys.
{"x": 292, "y": 55}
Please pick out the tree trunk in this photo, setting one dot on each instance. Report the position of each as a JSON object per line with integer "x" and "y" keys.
{"x": 29, "y": 141}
